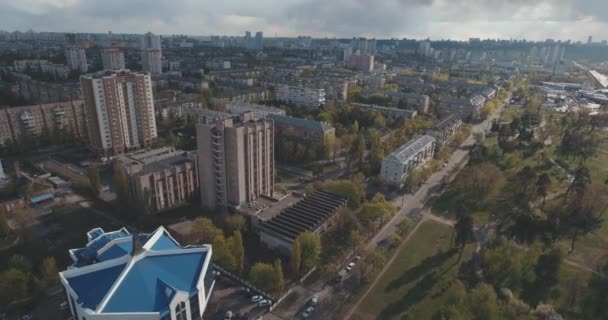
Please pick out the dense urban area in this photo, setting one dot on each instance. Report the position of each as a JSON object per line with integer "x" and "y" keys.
{"x": 147, "y": 176}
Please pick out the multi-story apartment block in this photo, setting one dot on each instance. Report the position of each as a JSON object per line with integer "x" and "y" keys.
{"x": 392, "y": 113}
{"x": 236, "y": 161}
{"x": 361, "y": 62}
{"x": 302, "y": 129}
{"x": 67, "y": 117}
{"x": 112, "y": 59}
{"x": 77, "y": 59}
{"x": 464, "y": 107}
{"x": 56, "y": 71}
{"x": 400, "y": 163}
{"x": 119, "y": 275}
{"x": 445, "y": 129}
{"x": 152, "y": 61}
{"x": 259, "y": 111}
{"x": 120, "y": 111}
{"x": 160, "y": 179}
{"x": 301, "y": 95}
{"x": 35, "y": 91}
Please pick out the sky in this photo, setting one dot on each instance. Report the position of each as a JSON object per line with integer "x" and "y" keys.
{"x": 435, "y": 19}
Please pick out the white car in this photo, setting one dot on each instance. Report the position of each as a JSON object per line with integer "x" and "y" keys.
{"x": 228, "y": 315}
{"x": 314, "y": 300}
{"x": 357, "y": 258}
{"x": 348, "y": 268}
{"x": 264, "y": 303}
{"x": 352, "y": 264}
{"x": 256, "y": 298}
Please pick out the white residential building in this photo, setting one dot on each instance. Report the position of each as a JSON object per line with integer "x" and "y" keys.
{"x": 259, "y": 111}
{"x": 76, "y": 59}
{"x": 415, "y": 153}
{"x": 152, "y": 61}
{"x": 301, "y": 95}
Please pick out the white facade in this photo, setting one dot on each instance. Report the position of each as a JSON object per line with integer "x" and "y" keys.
{"x": 152, "y": 61}
{"x": 76, "y": 59}
{"x": 112, "y": 59}
{"x": 415, "y": 153}
{"x": 300, "y": 95}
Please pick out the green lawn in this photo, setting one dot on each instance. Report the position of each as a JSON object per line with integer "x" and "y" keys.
{"x": 414, "y": 284}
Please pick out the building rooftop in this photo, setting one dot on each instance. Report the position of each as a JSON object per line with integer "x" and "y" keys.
{"x": 410, "y": 148}
{"x": 302, "y": 123}
{"x": 305, "y": 215}
{"x": 157, "y": 159}
{"x": 447, "y": 121}
{"x": 140, "y": 277}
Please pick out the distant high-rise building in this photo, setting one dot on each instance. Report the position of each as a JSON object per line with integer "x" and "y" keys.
{"x": 361, "y": 62}
{"x": 590, "y": 40}
{"x": 425, "y": 49}
{"x": 76, "y": 59}
{"x": 259, "y": 40}
{"x": 236, "y": 161}
{"x": 119, "y": 108}
{"x": 151, "y": 56}
{"x": 150, "y": 41}
{"x": 152, "y": 61}
{"x": 112, "y": 59}
{"x": 363, "y": 45}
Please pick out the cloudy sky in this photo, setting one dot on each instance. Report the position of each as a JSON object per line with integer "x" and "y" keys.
{"x": 437, "y": 19}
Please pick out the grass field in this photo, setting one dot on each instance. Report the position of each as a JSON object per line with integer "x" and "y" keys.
{"x": 414, "y": 284}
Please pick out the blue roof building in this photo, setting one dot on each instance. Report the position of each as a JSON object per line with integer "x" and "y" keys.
{"x": 119, "y": 275}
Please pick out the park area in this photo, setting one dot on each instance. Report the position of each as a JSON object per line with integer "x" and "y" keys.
{"x": 414, "y": 284}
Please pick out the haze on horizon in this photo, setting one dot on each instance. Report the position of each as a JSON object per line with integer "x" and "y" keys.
{"x": 437, "y": 19}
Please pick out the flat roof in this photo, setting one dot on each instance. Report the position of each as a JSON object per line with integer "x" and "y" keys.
{"x": 306, "y": 215}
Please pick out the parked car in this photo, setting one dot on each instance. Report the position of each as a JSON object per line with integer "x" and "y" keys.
{"x": 264, "y": 302}
{"x": 357, "y": 258}
{"x": 314, "y": 300}
{"x": 348, "y": 268}
{"x": 352, "y": 264}
{"x": 308, "y": 312}
{"x": 256, "y": 298}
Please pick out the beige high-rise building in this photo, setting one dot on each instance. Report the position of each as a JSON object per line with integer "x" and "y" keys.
{"x": 112, "y": 59}
{"x": 119, "y": 109}
{"x": 236, "y": 161}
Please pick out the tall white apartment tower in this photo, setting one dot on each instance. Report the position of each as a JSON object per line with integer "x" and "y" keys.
{"x": 151, "y": 56}
{"x": 76, "y": 59}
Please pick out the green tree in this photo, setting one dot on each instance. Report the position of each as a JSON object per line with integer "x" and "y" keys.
{"x": 119, "y": 181}
{"x": 235, "y": 222}
{"x": 542, "y": 187}
{"x": 262, "y": 275}
{"x": 483, "y": 303}
{"x": 376, "y": 209}
{"x": 13, "y": 286}
{"x": 49, "y": 272}
{"x": 238, "y": 251}
{"x": 94, "y": 179}
{"x": 347, "y": 189}
{"x": 279, "y": 281}
{"x": 355, "y": 241}
{"x": 595, "y": 303}
{"x": 464, "y": 233}
{"x": 310, "y": 246}
{"x": 20, "y": 263}
{"x": 296, "y": 257}
{"x": 223, "y": 254}
{"x": 203, "y": 231}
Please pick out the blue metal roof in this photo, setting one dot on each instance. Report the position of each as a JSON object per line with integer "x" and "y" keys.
{"x": 92, "y": 287}
{"x": 151, "y": 282}
{"x": 165, "y": 243}
{"x": 89, "y": 254}
{"x": 116, "y": 251}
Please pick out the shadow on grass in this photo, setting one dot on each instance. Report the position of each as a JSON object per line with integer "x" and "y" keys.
{"x": 426, "y": 265}
{"x": 412, "y": 297}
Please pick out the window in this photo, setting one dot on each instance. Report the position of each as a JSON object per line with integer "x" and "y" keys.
{"x": 181, "y": 312}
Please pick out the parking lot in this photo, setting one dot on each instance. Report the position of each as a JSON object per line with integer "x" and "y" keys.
{"x": 230, "y": 296}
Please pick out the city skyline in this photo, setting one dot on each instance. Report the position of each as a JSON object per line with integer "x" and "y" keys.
{"x": 437, "y": 19}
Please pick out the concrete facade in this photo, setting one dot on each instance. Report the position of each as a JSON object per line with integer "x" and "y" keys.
{"x": 112, "y": 59}
{"x": 415, "y": 153}
{"x": 119, "y": 109}
{"x": 236, "y": 161}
